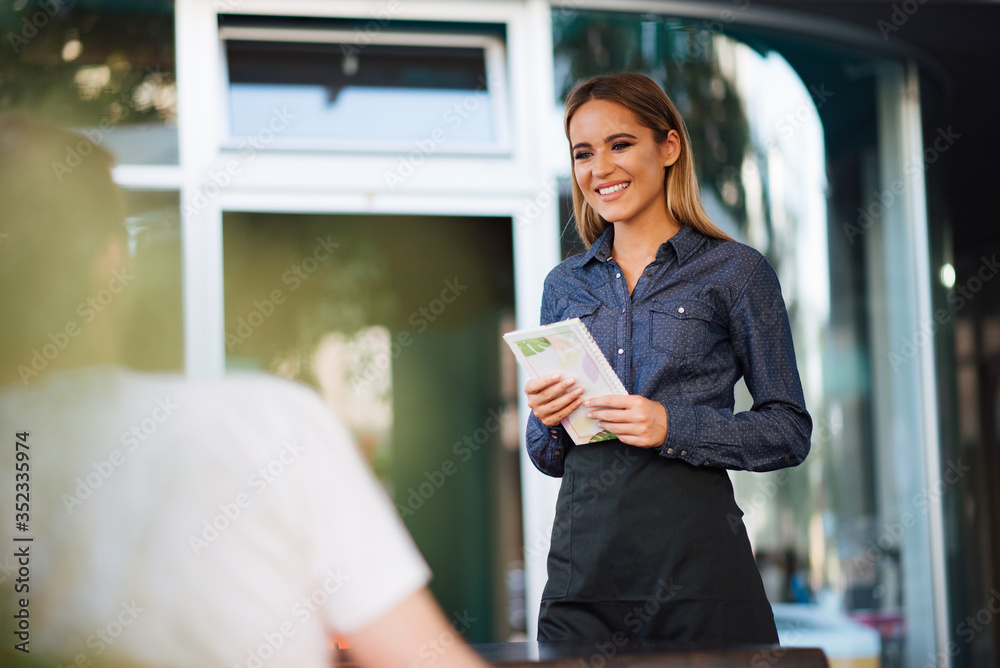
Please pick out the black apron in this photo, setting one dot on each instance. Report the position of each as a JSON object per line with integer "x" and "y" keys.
{"x": 653, "y": 548}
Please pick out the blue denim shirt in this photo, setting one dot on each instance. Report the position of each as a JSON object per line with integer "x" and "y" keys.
{"x": 702, "y": 314}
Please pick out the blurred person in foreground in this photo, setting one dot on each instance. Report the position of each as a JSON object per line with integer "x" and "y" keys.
{"x": 165, "y": 521}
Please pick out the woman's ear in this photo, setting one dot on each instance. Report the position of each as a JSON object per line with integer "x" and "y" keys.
{"x": 670, "y": 148}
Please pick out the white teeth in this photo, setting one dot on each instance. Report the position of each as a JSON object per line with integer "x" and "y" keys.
{"x": 614, "y": 189}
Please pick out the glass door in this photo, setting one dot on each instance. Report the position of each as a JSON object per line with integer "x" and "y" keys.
{"x": 812, "y": 155}
{"x": 396, "y": 321}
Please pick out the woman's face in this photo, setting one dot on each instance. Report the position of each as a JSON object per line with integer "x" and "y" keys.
{"x": 618, "y": 164}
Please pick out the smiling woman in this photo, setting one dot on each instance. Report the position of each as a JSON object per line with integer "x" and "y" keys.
{"x": 682, "y": 312}
{"x": 618, "y": 111}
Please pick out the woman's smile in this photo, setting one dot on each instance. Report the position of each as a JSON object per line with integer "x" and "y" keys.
{"x": 608, "y": 192}
{"x": 618, "y": 163}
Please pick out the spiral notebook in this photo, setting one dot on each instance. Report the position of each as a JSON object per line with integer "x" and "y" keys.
{"x": 567, "y": 347}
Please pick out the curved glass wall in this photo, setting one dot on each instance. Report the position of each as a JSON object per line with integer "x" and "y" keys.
{"x": 786, "y": 141}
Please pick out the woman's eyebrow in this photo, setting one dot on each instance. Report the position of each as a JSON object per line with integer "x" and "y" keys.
{"x": 607, "y": 140}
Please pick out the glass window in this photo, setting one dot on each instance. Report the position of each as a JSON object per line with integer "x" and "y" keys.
{"x": 154, "y": 335}
{"x": 396, "y": 321}
{"x": 784, "y": 139}
{"x": 104, "y": 69}
{"x": 388, "y": 89}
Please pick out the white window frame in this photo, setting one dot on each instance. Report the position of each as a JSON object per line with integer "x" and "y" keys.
{"x": 494, "y": 51}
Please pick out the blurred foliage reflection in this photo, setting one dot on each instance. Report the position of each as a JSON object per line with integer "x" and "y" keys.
{"x": 690, "y": 65}
{"x": 103, "y": 66}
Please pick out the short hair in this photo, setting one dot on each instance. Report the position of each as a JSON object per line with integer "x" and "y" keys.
{"x": 58, "y": 207}
{"x": 654, "y": 110}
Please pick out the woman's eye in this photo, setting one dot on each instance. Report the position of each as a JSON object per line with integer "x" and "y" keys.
{"x": 619, "y": 145}
{"x": 582, "y": 155}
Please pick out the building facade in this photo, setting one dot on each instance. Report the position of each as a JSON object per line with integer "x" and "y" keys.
{"x": 363, "y": 195}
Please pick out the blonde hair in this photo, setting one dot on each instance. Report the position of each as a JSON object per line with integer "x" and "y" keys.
{"x": 654, "y": 110}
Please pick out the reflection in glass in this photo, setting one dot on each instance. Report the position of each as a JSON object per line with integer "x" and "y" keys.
{"x": 784, "y": 143}
{"x": 154, "y": 337}
{"x": 107, "y": 72}
{"x": 396, "y": 321}
{"x": 378, "y": 92}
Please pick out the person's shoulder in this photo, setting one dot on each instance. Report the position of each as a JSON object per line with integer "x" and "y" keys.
{"x": 251, "y": 395}
{"x": 738, "y": 260}
{"x": 736, "y": 251}
{"x": 566, "y": 275}
{"x": 569, "y": 265}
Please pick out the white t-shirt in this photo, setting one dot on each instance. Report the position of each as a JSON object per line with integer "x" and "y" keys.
{"x": 193, "y": 523}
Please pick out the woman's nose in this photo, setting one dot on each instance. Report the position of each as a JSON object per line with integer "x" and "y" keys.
{"x": 602, "y": 163}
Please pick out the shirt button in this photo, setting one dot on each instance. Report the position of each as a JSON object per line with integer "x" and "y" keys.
{"x": 680, "y": 309}
{"x": 670, "y": 451}
{"x": 559, "y": 452}
{"x": 705, "y": 464}
{"x": 649, "y": 274}
{"x": 684, "y": 453}
{"x": 623, "y": 310}
{"x": 621, "y": 351}
{"x": 618, "y": 275}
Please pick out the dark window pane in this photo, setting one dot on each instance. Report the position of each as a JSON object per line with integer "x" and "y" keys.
{"x": 342, "y": 91}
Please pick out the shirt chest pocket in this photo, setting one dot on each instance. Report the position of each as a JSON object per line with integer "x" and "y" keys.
{"x": 683, "y": 327}
{"x": 593, "y": 318}
{"x": 582, "y": 310}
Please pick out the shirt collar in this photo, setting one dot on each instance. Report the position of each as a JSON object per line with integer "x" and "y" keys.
{"x": 601, "y": 248}
{"x": 684, "y": 243}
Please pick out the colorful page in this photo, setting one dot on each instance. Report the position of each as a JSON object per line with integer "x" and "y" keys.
{"x": 567, "y": 348}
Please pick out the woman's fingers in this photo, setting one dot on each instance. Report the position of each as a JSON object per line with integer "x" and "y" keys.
{"x": 634, "y": 419}
{"x": 552, "y": 398}
{"x": 539, "y": 395}
{"x": 536, "y": 385}
{"x": 552, "y": 412}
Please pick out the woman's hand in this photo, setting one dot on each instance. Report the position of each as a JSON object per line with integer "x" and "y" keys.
{"x": 634, "y": 419}
{"x": 551, "y": 399}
